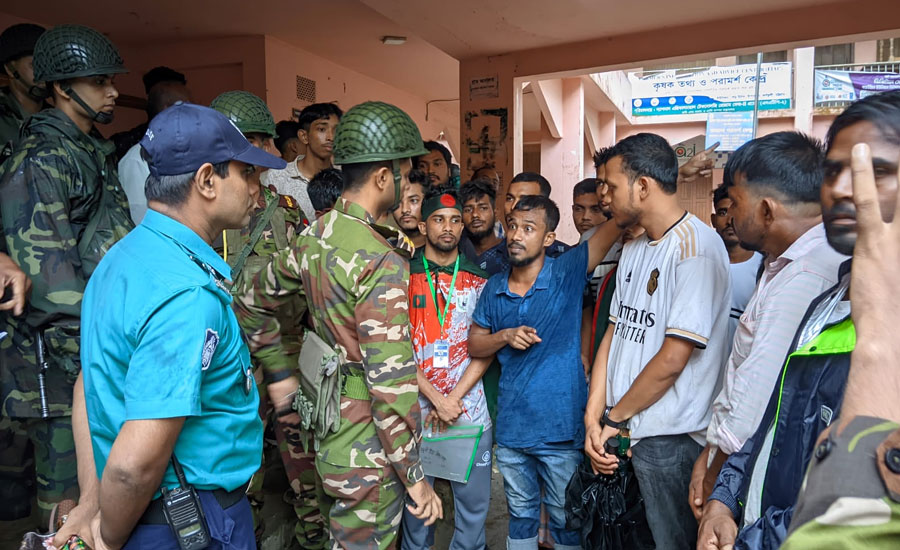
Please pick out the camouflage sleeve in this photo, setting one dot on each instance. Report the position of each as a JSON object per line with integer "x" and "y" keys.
{"x": 256, "y": 301}
{"x": 42, "y": 241}
{"x": 383, "y": 332}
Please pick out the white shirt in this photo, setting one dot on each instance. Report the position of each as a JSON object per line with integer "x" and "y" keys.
{"x": 763, "y": 339}
{"x": 677, "y": 286}
{"x": 133, "y": 172}
{"x": 743, "y": 283}
{"x": 292, "y": 183}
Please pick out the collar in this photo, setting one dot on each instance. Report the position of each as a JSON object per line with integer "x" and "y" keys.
{"x": 541, "y": 283}
{"x": 804, "y": 244}
{"x": 415, "y": 265}
{"x": 63, "y": 124}
{"x": 185, "y": 236}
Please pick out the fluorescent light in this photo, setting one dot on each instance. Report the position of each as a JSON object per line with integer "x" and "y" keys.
{"x": 393, "y": 40}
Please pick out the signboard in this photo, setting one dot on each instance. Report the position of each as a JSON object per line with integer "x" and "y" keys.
{"x": 716, "y": 89}
{"x": 731, "y": 130}
{"x": 484, "y": 88}
{"x": 686, "y": 149}
{"x": 849, "y": 86}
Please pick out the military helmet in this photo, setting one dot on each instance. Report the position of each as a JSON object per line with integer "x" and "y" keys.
{"x": 376, "y": 131}
{"x": 248, "y": 112}
{"x": 19, "y": 40}
{"x": 72, "y": 51}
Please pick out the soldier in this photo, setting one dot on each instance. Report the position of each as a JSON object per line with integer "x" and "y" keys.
{"x": 355, "y": 273}
{"x": 63, "y": 208}
{"x": 23, "y": 97}
{"x": 272, "y": 227}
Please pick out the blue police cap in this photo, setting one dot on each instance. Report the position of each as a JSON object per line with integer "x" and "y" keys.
{"x": 185, "y": 136}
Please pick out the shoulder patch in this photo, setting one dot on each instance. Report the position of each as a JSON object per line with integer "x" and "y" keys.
{"x": 210, "y": 343}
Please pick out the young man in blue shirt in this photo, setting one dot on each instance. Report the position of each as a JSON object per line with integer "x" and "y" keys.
{"x": 166, "y": 371}
{"x": 529, "y": 318}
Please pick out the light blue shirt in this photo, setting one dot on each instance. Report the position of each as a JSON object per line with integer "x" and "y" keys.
{"x": 160, "y": 340}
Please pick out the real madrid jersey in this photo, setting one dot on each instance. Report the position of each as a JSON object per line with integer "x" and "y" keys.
{"x": 678, "y": 286}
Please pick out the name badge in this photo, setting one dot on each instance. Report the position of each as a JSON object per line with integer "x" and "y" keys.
{"x": 441, "y": 355}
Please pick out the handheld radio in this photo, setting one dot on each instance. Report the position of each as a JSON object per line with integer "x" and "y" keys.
{"x": 184, "y": 514}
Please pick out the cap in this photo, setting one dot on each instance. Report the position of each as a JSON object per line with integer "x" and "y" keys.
{"x": 437, "y": 202}
{"x": 185, "y": 136}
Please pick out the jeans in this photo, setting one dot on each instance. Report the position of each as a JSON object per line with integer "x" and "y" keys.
{"x": 230, "y": 529}
{"x": 550, "y": 465}
{"x": 470, "y": 507}
{"x": 663, "y": 466}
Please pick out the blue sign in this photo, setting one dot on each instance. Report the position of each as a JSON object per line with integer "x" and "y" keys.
{"x": 731, "y": 130}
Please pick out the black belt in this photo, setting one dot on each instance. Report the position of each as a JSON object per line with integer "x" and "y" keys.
{"x": 154, "y": 514}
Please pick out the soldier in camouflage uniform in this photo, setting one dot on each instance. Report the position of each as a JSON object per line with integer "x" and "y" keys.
{"x": 355, "y": 273}
{"x": 272, "y": 227}
{"x": 22, "y": 97}
{"x": 62, "y": 209}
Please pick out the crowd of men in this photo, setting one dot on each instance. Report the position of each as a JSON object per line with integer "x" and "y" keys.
{"x": 169, "y": 291}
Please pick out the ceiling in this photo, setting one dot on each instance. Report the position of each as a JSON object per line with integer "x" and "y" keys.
{"x": 346, "y": 32}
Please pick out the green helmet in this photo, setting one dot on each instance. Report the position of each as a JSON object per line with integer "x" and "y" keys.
{"x": 248, "y": 112}
{"x": 72, "y": 51}
{"x": 376, "y": 131}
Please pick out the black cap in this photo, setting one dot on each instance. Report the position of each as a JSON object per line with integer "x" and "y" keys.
{"x": 19, "y": 40}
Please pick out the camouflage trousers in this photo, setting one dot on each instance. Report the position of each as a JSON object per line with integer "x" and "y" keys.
{"x": 37, "y": 458}
{"x": 365, "y": 506}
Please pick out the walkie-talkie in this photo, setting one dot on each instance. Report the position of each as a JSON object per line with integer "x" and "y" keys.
{"x": 184, "y": 514}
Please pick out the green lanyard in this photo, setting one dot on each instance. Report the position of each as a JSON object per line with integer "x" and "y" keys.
{"x": 441, "y": 317}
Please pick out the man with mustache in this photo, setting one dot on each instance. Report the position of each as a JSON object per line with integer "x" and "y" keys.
{"x": 62, "y": 210}
{"x": 408, "y": 213}
{"x": 752, "y": 504}
{"x": 317, "y": 125}
{"x": 774, "y": 184}
{"x": 435, "y": 164}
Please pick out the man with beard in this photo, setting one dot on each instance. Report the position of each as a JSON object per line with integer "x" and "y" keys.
{"x": 408, "y": 214}
{"x": 435, "y": 164}
{"x": 774, "y": 184}
{"x": 62, "y": 210}
{"x": 317, "y": 126}
{"x": 482, "y": 245}
{"x": 526, "y": 316}
{"x": 752, "y": 504}
{"x": 444, "y": 287}
{"x": 532, "y": 183}
{"x": 744, "y": 263}
{"x": 23, "y": 97}
{"x": 657, "y": 367}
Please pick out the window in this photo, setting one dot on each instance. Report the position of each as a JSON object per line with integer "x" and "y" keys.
{"x": 768, "y": 57}
{"x": 838, "y": 54}
{"x": 888, "y": 50}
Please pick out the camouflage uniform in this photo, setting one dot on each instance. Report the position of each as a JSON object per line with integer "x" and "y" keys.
{"x": 851, "y": 494}
{"x": 354, "y": 274}
{"x": 274, "y": 224}
{"x": 12, "y": 115}
{"x": 62, "y": 209}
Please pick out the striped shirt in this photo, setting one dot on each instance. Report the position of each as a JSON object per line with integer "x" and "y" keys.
{"x": 787, "y": 286}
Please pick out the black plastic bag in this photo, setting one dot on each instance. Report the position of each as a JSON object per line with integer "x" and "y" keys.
{"x": 608, "y": 510}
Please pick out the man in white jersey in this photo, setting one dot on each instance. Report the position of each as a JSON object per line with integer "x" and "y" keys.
{"x": 658, "y": 366}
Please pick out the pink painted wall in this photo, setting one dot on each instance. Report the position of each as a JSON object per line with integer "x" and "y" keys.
{"x": 334, "y": 82}
{"x": 562, "y": 161}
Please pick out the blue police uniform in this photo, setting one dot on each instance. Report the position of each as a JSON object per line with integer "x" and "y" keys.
{"x": 160, "y": 340}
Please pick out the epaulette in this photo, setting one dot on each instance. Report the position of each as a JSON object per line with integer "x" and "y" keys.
{"x": 284, "y": 201}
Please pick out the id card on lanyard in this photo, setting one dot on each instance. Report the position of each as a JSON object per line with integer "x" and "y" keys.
{"x": 441, "y": 358}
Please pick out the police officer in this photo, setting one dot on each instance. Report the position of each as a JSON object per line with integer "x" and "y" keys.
{"x": 23, "y": 97}
{"x": 275, "y": 222}
{"x": 355, "y": 274}
{"x": 62, "y": 209}
{"x": 167, "y": 377}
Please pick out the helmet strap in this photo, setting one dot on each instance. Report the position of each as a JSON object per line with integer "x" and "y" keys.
{"x": 395, "y": 165}
{"x": 102, "y": 118}
{"x": 35, "y": 92}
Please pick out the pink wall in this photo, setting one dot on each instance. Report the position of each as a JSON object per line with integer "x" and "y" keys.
{"x": 285, "y": 62}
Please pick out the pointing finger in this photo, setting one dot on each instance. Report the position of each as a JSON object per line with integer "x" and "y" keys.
{"x": 865, "y": 196}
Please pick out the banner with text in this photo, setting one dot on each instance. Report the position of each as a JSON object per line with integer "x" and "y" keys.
{"x": 850, "y": 86}
{"x": 713, "y": 90}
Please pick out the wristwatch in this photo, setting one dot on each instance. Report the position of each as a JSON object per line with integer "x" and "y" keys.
{"x": 607, "y": 421}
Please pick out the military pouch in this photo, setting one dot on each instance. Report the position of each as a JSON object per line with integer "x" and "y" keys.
{"x": 318, "y": 401}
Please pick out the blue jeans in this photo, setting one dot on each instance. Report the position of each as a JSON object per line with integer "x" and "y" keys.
{"x": 230, "y": 529}
{"x": 525, "y": 471}
{"x": 663, "y": 466}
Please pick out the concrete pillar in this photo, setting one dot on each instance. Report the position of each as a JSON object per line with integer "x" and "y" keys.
{"x": 562, "y": 159}
{"x": 804, "y": 84}
{"x": 865, "y": 52}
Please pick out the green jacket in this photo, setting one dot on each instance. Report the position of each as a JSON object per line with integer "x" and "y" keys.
{"x": 62, "y": 208}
